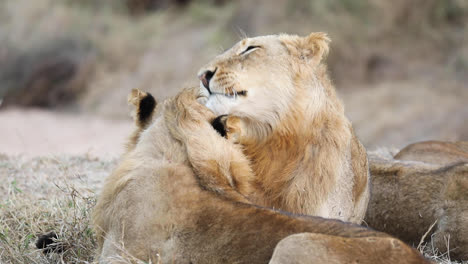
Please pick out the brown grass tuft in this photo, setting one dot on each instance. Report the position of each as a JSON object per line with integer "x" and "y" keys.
{"x": 46, "y": 194}
{"x": 23, "y": 220}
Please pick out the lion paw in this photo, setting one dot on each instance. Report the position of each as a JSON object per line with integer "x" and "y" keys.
{"x": 229, "y": 127}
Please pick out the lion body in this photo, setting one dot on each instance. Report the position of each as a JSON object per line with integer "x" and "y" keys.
{"x": 168, "y": 202}
{"x": 284, "y": 111}
{"x": 426, "y": 183}
{"x": 435, "y": 152}
{"x": 304, "y": 247}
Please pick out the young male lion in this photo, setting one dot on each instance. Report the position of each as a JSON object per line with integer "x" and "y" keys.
{"x": 169, "y": 202}
{"x": 284, "y": 111}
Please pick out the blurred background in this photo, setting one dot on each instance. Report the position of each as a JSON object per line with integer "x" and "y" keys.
{"x": 66, "y": 66}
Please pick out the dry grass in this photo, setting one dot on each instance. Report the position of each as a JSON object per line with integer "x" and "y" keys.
{"x": 23, "y": 219}
{"x": 45, "y": 194}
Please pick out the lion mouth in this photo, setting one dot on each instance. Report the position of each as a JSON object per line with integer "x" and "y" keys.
{"x": 232, "y": 93}
{"x": 229, "y": 92}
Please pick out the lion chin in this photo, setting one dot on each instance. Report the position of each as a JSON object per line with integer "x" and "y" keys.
{"x": 220, "y": 104}
{"x": 284, "y": 111}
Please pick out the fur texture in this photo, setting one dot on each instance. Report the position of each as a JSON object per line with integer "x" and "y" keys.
{"x": 305, "y": 247}
{"x": 145, "y": 105}
{"x": 154, "y": 207}
{"x": 435, "y": 152}
{"x": 427, "y": 183}
{"x": 284, "y": 111}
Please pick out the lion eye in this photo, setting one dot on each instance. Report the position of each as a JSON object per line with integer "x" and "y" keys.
{"x": 249, "y": 49}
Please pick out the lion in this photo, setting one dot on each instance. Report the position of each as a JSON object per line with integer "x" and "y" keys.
{"x": 435, "y": 152}
{"x": 283, "y": 110}
{"x": 421, "y": 194}
{"x": 176, "y": 197}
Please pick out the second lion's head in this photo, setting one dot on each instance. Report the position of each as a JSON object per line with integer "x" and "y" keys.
{"x": 264, "y": 78}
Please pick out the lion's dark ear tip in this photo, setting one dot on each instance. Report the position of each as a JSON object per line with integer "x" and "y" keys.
{"x": 146, "y": 107}
{"x": 46, "y": 242}
{"x": 218, "y": 125}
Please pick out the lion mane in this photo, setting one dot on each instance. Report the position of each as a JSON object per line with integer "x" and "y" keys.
{"x": 276, "y": 100}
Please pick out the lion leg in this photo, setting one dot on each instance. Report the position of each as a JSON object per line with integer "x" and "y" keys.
{"x": 320, "y": 248}
{"x": 219, "y": 165}
{"x": 144, "y": 108}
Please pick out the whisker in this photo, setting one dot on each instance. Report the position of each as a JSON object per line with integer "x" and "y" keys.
{"x": 241, "y": 33}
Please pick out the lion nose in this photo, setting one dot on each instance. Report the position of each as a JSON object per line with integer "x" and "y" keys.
{"x": 206, "y": 77}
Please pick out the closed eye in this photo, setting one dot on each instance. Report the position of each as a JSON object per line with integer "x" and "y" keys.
{"x": 249, "y": 49}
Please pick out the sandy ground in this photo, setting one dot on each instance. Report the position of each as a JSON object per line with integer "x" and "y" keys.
{"x": 39, "y": 132}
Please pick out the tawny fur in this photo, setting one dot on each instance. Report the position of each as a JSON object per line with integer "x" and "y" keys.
{"x": 427, "y": 183}
{"x": 154, "y": 207}
{"x": 435, "y": 152}
{"x": 284, "y": 111}
{"x": 135, "y": 98}
{"x": 304, "y": 247}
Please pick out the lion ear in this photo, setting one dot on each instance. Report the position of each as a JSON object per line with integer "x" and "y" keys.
{"x": 312, "y": 48}
{"x": 317, "y": 45}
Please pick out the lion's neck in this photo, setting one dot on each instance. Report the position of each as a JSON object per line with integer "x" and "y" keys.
{"x": 298, "y": 146}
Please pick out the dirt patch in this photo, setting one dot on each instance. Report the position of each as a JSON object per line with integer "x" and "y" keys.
{"x": 41, "y": 132}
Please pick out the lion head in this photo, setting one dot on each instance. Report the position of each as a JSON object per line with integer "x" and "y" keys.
{"x": 261, "y": 78}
